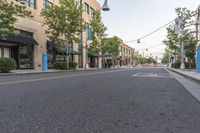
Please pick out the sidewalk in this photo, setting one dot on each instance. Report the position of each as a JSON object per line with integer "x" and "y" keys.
{"x": 192, "y": 75}
{"x": 32, "y": 71}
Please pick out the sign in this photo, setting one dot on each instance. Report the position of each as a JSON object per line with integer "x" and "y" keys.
{"x": 89, "y": 32}
{"x": 178, "y": 25}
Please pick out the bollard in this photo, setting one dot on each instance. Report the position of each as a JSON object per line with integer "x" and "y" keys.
{"x": 198, "y": 60}
{"x": 44, "y": 62}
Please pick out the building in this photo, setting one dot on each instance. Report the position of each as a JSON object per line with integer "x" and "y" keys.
{"x": 31, "y": 41}
{"x": 126, "y": 54}
{"x": 124, "y": 57}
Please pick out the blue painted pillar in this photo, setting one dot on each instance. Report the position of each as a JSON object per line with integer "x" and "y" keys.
{"x": 198, "y": 60}
{"x": 44, "y": 62}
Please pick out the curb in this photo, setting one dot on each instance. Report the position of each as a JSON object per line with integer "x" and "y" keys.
{"x": 186, "y": 76}
{"x": 61, "y": 71}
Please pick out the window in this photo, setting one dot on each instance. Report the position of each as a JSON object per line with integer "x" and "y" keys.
{"x": 89, "y": 32}
{"x": 6, "y": 52}
{"x": 47, "y": 4}
{"x": 87, "y": 8}
{"x": 79, "y": 2}
{"x": 24, "y": 33}
{"x": 30, "y": 3}
{"x": 91, "y": 12}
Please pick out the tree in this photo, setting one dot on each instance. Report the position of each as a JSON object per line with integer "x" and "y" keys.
{"x": 9, "y": 11}
{"x": 98, "y": 34}
{"x": 173, "y": 41}
{"x": 64, "y": 20}
{"x": 137, "y": 58}
{"x": 111, "y": 46}
{"x": 166, "y": 57}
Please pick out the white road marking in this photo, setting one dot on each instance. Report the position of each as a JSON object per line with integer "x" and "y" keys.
{"x": 153, "y": 75}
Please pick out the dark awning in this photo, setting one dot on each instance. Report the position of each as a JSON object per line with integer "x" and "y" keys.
{"x": 20, "y": 39}
{"x": 92, "y": 54}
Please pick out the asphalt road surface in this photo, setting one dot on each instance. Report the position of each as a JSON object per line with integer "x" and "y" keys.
{"x": 147, "y": 100}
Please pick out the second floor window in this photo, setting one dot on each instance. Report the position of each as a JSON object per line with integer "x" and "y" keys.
{"x": 47, "y": 4}
{"x": 91, "y": 12}
{"x": 87, "y": 10}
{"x": 30, "y": 3}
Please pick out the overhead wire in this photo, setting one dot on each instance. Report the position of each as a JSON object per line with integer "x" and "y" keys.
{"x": 151, "y": 32}
{"x": 158, "y": 28}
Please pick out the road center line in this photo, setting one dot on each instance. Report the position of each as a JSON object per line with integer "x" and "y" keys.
{"x": 61, "y": 77}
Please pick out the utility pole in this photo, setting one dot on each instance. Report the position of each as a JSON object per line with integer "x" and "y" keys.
{"x": 179, "y": 30}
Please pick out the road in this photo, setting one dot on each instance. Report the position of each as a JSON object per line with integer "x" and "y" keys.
{"x": 146, "y": 100}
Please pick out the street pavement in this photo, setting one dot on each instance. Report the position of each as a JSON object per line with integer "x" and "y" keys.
{"x": 138, "y": 100}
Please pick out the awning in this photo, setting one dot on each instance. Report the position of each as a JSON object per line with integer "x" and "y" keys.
{"x": 91, "y": 54}
{"x": 75, "y": 53}
{"x": 21, "y": 39}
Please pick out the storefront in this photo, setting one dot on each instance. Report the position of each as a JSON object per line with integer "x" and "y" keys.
{"x": 59, "y": 54}
{"x": 19, "y": 47}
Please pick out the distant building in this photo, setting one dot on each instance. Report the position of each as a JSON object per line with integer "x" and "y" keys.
{"x": 126, "y": 54}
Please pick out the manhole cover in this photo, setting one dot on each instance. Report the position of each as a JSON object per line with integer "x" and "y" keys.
{"x": 153, "y": 75}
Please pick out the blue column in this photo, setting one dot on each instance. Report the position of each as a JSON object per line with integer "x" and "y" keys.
{"x": 44, "y": 62}
{"x": 198, "y": 60}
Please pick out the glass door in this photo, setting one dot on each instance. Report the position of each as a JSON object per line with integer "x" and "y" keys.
{"x": 26, "y": 56}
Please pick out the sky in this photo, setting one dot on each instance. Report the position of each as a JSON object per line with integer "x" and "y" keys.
{"x": 133, "y": 19}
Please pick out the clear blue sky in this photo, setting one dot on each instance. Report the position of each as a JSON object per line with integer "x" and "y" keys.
{"x": 132, "y": 19}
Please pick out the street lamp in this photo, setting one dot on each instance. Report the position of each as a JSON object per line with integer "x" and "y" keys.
{"x": 179, "y": 31}
{"x": 105, "y": 6}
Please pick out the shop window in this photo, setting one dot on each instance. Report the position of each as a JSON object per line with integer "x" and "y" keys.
{"x": 6, "y": 52}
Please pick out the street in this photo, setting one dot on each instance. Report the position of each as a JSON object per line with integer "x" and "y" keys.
{"x": 134, "y": 100}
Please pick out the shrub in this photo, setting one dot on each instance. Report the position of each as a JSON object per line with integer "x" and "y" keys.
{"x": 7, "y": 64}
{"x": 60, "y": 65}
{"x": 190, "y": 65}
{"x": 72, "y": 65}
{"x": 176, "y": 64}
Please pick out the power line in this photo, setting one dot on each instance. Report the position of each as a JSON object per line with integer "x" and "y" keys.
{"x": 151, "y": 32}
{"x": 158, "y": 28}
{"x": 156, "y": 45}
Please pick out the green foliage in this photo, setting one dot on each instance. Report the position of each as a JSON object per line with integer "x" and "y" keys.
{"x": 60, "y": 65}
{"x": 9, "y": 11}
{"x": 137, "y": 58}
{"x": 98, "y": 33}
{"x": 190, "y": 65}
{"x": 166, "y": 56}
{"x": 149, "y": 60}
{"x": 73, "y": 65}
{"x": 7, "y": 64}
{"x": 186, "y": 16}
{"x": 176, "y": 65}
{"x": 64, "y": 20}
{"x": 111, "y": 46}
{"x": 173, "y": 41}
{"x": 60, "y": 49}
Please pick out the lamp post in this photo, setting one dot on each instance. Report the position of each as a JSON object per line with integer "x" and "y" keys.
{"x": 179, "y": 31}
{"x": 105, "y": 6}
